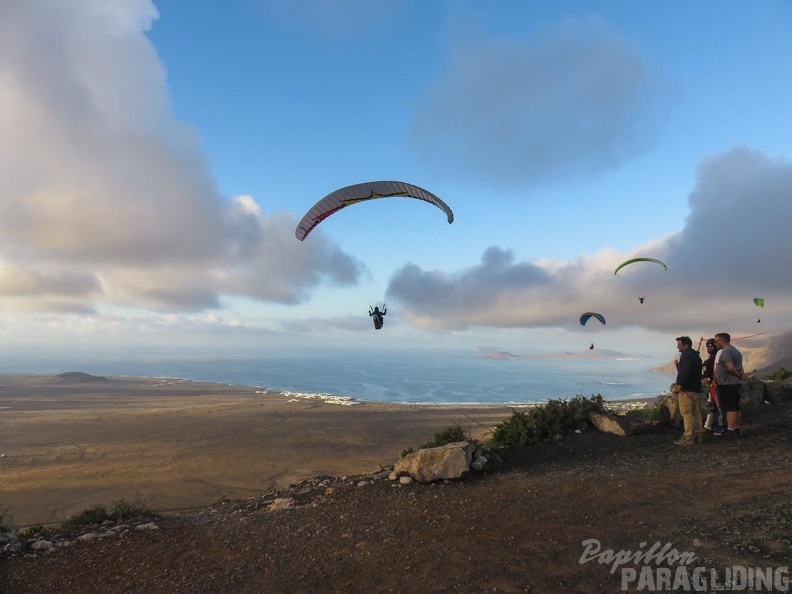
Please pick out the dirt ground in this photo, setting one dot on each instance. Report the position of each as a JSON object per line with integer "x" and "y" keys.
{"x": 173, "y": 445}
{"x": 518, "y": 526}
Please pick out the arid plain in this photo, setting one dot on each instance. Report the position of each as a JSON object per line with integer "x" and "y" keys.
{"x": 73, "y": 441}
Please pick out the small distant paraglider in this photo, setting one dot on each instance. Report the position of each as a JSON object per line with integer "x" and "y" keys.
{"x": 758, "y": 302}
{"x": 586, "y": 316}
{"x": 591, "y": 348}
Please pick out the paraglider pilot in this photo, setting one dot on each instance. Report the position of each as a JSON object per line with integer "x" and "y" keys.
{"x": 591, "y": 348}
{"x": 376, "y": 315}
{"x": 641, "y": 299}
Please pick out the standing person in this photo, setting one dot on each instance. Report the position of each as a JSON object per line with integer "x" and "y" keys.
{"x": 689, "y": 381}
{"x": 713, "y": 421}
{"x": 729, "y": 376}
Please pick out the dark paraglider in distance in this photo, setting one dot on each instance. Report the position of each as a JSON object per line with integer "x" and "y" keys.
{"x": 585, "y": 316}
{"x": 641, "y": 299}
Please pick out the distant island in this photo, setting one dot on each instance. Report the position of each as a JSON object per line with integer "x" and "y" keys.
{"x": 78, "y": 377}
{"x": 571, "y": 355}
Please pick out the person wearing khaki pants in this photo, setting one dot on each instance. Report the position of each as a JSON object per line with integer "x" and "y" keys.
{"x": 691, "y": 417}
{"x": 688, "y": 381}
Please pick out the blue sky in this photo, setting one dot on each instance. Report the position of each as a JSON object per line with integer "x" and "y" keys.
{"x": 158, "y": 156}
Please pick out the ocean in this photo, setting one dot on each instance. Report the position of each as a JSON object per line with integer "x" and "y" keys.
{"x": 400, "y": 376}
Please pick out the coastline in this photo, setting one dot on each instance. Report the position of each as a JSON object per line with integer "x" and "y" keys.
{"x": 68, "y": 444}
{"x": 393, "y": 376}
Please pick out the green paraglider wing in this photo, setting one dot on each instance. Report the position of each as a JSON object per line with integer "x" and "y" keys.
{"x": 759, "y": 301}
{"x": 584, "y": 317}
{"x": 633, "y": 260}
{"x": 349, "y": 195}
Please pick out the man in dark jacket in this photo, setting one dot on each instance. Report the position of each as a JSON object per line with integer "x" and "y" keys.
{"x": 688, "y": 381}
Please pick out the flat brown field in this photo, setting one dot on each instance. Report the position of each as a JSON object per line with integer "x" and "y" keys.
{"x": 174, "y": 444}
{"x": 520, "y": 525}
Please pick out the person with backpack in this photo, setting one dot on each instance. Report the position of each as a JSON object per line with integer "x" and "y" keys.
{"x": 715, "y": 417}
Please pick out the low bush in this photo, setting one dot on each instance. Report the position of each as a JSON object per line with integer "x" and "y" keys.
{"x": 87, "y": 517}
{"x": 450, "y": 434}
{"x": 650, "y": 414}
{"x": 121, "y": 511}
{"x": 32, "y": 531}
{"x": 544, "y": 422}
{"x": 779, "y": 374}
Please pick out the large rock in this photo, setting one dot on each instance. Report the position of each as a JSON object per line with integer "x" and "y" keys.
{"x": 432, "y": 464}
{"x": 753, "y": 391}
{"x": 778, "y": 392}
{"x": 617, "y": 424}
{"x": 669, "y": 410}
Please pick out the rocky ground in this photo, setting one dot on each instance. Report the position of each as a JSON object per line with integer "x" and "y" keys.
{"x": 517, "y": 526}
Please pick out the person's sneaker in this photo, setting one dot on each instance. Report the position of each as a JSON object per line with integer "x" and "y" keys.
{"x": 733, "y": 433}
{"x": 719, "y": 432}
{"x": 684, "y": 442}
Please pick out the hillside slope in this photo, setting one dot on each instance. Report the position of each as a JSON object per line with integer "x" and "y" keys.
{"x": 518, "y": 527}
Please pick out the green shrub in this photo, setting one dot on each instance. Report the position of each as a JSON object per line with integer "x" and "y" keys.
{"x": 546, "y": 421}
{"x": 651, "y": 414}
{"x": 648, "y": 414}
{"x": 450, "y": 434}
{"x": 32, "y": 531}
{"x": 779, "y": 374}
{"x": 87, "y": 517}
{"x": 121, "y": 511}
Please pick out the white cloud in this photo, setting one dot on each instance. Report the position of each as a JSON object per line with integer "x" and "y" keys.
{"x": 735, "y": 246}
{"x": 103, "y": 185}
